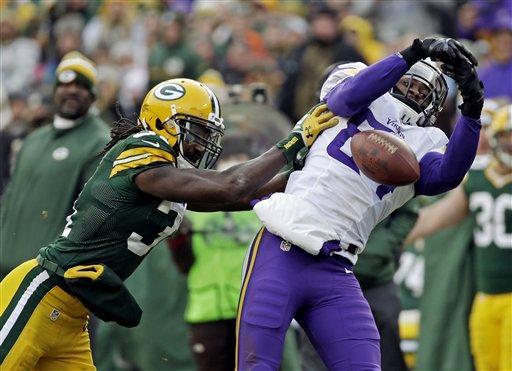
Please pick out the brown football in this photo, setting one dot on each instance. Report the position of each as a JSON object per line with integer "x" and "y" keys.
{"x": 384, "y": 158}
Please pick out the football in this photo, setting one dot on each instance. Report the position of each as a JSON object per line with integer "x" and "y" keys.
{"x": 384, "y": 158}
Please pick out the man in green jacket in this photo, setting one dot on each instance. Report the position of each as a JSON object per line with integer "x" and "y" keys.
{"x": 52, "y": 166}
{"x": 219, "y": 242}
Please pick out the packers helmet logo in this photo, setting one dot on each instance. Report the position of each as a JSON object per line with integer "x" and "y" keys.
{"x": 169, "y": 92}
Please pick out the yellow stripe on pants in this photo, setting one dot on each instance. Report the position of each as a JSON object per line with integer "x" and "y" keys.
{"x": 55, "y": 335}
{"x": 250, "y": 266}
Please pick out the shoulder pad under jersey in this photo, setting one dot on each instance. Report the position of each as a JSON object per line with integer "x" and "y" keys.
{"x": 340, "y": 73}
{"x": 141, "y": 151}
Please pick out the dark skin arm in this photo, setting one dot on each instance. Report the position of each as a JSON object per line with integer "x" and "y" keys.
{"x": 234, "y": 187}
{"x": 276, "y": 184}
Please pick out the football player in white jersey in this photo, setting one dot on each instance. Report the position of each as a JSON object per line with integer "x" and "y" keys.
{"x": 300, "y": 264}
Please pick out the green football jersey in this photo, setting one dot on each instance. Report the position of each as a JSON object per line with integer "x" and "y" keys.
{"x": 490, "y": 203}
{"x": 113, "y": 221}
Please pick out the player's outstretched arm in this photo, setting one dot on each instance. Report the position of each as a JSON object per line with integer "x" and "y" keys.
{"x": 447, "y": 212}
{"x": 443, "y": 172}
{"x": 276, "y": 184}
{"x": 240, "y": 182}
{"x": 209, "y": 186}
{"x": 356, "y": 93}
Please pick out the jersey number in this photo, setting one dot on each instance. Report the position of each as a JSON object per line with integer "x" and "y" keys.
{"x": 140, "y": 245}
{"x": 490, "y": 218}
{"x": 334, "y": 149}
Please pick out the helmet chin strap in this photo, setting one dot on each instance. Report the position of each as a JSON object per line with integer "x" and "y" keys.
{"x": 182, "y": 161}
{"x": 184, "y": 164}
{"x": 144, "y": 125}
{"x": 501, "y": 155}
{"x": 408, "y": 116}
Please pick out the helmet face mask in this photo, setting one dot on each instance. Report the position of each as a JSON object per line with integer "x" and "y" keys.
{"x": 501, "y": 135}
{"x": 502, "y": 146}
{"x": 199, "y": 143}
{"x": 187, "y": 114}
{"x": 421, "y": 111}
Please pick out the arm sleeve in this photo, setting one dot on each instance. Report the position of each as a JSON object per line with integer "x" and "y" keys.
{"x": 442, "y": 172}
{"x": 357, "y": 92}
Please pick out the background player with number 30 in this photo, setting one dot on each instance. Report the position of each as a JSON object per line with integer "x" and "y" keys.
{"x": 486, "y": 195}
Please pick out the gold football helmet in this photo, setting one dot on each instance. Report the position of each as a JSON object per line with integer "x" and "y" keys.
{"x": 183, "y": 111}
{"x": 500, "y": 135}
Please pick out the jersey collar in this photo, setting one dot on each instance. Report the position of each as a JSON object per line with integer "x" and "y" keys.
{"x": 60, "y": 123}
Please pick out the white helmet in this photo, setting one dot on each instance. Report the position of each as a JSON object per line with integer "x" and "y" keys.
{"x": 425, "y": 112}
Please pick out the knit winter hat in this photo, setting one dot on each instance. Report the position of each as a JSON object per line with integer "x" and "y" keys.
{"x": 75, "y": 66}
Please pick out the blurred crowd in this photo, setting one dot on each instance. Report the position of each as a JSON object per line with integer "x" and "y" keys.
{"x": 284, "y": 44}
{"x": 270, "y": 52}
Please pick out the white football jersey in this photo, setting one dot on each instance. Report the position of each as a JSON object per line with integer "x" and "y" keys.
{"x": 330, "y": 199}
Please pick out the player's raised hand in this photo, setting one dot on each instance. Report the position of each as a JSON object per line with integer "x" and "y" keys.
{"x": 447, "y": 50}
{"x": 306, "y": 131}
{"x": 470, "y": 87}
{"x": 314, "y": 122}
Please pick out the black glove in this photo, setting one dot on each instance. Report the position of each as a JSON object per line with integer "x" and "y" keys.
{"x": 445, "y": 50}
{"x": 448, "y": 51}
{"x": 470, "y": 87}
{"x": 413, "y": 53}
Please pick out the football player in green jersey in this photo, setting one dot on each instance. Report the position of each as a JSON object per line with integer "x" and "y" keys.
{"x": 487, "y": 195}
{"x": 151, "y": 172}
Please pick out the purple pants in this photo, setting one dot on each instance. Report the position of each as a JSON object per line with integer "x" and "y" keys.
{"x": 283, "y": 282}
